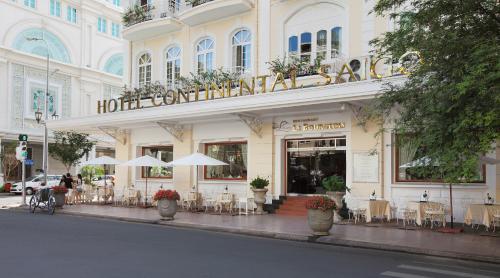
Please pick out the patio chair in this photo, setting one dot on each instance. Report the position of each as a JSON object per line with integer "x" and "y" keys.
{"x": 246, "y": 202}
{"x": 496, "y": 219}
{"x": 409, "y": 216}
{"x": 394, "y": 211}
{"x": 225, "y": 201}
{"x": 88, "y": 194}
{"x": 119, "y": 199}
{"x": 358, "y": 213}
{"x": 435, "y": 213}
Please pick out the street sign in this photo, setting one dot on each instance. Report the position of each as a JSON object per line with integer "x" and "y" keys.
{"x": 29, "y": 162}
{"x": 23, "y": 137}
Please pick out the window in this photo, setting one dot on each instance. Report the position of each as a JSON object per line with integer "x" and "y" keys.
{"x": 173, "y": 58}
{"x": 412, "y": 162}
{"x": 115, "y": 30}
{"x": 321, "y": 44}
{"x": 117, "y": 3}
{"x": 293, "y": 45}
{"x": 144, "y": 69}
{"x": 305, "y": 47}
{"x": 71, "y": 14}
{"x": 241, "y": 51}
{"x": 163, "y": 153}
{"x": 114, "y": 64}
{"x": 55, "y": 8}
{"x": 57, "y": 50}
{"x": 102, "y": 25}
{"x": 205, "y": 55}
{"x": 336, "y": 41}
{"x": 30, "y": 3}
{"x": 37, "y": 101}
{"x": 234, "y": 154}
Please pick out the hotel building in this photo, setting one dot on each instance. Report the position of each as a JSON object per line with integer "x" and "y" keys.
{"x": 86, "y": 50}
{"x": 294, "y": 128}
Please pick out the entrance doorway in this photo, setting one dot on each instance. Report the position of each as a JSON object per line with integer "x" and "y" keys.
{"x": 309, "y": 161}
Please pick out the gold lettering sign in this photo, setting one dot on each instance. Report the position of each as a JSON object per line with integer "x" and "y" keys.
{"x": 160, "y": 96}
{"x": 318, "y": 127}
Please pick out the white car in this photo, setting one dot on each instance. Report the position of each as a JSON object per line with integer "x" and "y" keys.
{"x": 35, "y": 183}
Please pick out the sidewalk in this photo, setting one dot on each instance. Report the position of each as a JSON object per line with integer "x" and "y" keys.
{"x": 460, "y": 246}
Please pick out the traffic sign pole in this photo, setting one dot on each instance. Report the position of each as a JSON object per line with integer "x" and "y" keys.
{"x": 24, "y": 183}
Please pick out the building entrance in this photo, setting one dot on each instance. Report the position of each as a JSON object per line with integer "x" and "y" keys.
{"x": 309, "y": 161}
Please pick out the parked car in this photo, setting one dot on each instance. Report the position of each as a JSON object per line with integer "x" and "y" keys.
{"x": 99, "y": 180}
{"x": 35, "y": 183}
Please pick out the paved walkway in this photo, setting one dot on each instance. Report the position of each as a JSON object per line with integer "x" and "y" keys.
{"x": 463, "y": 246}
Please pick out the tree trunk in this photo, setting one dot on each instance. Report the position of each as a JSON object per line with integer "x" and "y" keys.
{"x": 451, "y": 205}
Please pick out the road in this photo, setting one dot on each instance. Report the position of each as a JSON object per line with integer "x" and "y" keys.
{"x": 39, "y": 245}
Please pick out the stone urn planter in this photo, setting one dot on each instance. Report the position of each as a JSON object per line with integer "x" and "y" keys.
{"x": 320, "y": 215}
{"x": 167, "y": 208}
{"x": 336, "y": 196}
{"x": 59, "y": 193}
{"x": 167, "y": 203}
{"x": 259, "y": 199}
{"x": 259, "y": 189}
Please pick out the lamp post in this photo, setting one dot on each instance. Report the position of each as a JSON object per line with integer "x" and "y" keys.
{"x": 38, "y": 114}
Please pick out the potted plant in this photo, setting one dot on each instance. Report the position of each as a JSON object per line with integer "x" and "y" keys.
{"x": 167, "y": 203}
{"x": 259, "y": 189}
{"x": 320, "y": 214}
{"x": 59, "y": 192}
{"x": 335, "y": 189}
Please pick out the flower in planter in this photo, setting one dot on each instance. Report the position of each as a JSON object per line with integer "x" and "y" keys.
{"x": 321, "y": 202}
{"x": 166, "y": 194}
{"x": 60, "y": 189}
{"x": 259, "y": 183}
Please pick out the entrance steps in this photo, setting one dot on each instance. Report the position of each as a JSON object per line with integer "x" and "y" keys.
{"x": 293, "y": 206}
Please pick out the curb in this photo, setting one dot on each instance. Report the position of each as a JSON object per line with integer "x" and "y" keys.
{"x": 294, "y": 237}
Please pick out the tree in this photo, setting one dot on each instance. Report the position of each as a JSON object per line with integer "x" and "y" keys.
{"x": 70, "y": 147}
{"x": 9, "y": 160}
{"x": 451, "y": 102}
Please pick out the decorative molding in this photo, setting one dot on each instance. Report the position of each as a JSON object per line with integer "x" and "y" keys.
{"x": 253, "y": 122}
{"x": 119, "y": 135}
{"x": 173, "y": 129}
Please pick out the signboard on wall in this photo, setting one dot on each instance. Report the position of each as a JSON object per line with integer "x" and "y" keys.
{"x": 365, "y": 167}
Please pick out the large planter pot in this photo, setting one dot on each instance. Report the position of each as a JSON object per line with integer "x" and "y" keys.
{"x": 59, "y": 199}
{"x": 336, "y": 196}
{"x": 259, "y": 199}
{"x": 320, "y": 221}
{"x": 167, "y": 208}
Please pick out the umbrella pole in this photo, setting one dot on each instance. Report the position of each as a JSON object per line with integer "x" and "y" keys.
{"x": 146, "y": 191}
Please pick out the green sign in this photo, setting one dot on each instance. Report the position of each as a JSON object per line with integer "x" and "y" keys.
{"x": 23, "y": 137}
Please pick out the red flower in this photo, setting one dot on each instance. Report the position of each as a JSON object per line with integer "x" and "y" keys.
{"x": 167, "y": 194}
{"x": 59, "y": 189}
{"x": 320, "y": 202}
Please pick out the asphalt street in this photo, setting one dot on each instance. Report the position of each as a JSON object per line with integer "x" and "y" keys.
{"x": 40, "y": 245}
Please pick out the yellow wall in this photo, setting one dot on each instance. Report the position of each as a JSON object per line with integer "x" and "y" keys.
{"x": 261, "y": 155}
{"x": 365, "y": 141}
{"x": 183, "y": 180}
{"x": 122, "y": 173}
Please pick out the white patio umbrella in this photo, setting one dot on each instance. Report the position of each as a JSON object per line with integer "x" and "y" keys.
{"x": 146, "y": 161}
{"x": 102, "y": 160}
{"x": 196, "y": 159}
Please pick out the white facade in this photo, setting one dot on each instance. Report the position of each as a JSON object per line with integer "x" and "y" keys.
{"x": 86, "y": 63}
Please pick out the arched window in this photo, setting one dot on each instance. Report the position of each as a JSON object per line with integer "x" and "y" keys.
{"x": 205, "y": 55}
{"x": 305, "y": 46}
{"x": 144, "y": 69}
{"x": 321, "y": 41}
{"x": 242, "y": 42}
{"x": 114, "y": 65}
{"x": 56, "y": 49}
{"x": 336, "y": 41}
{"x": 173, "y": 62}
{"x": 293, "y": 45}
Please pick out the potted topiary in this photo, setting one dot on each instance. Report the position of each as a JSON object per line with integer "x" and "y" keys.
{"x": 259, "y": 189}
{"x": 335, "y": 189}
{"x": 167, "y": 203}
{"x": 320, "y": 214}
{"x": 59, "y": 192}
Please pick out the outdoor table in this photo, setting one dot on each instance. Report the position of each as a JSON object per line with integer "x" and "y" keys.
{"x": 481, "y": 213}
{"x": 378, "y": 208}
{"x": 421, "y": 207}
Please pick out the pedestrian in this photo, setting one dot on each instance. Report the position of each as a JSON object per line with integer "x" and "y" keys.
{"x": 68, "y": 182}
{"x": 79, "y": 188}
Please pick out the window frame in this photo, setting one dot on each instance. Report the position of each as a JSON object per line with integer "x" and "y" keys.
{"x": 204, "y": 53}
{"x": 395, "y": 169}
{"x": 143, "y": 167}
{"x": 102, "y": 25}
{"x": 55, "y": 8}
{"x": 205, "y": 167}
{"x": 146, "y": 65}
{"x": 30, "y": 4}
{"x": 241, "y": 46}
{"x": 173, "y": 60}
{"x": 115, "y": 29}
{"x": 72, "y": 14}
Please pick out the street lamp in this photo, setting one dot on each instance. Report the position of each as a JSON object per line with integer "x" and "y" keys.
{"x": 38, "y": 114}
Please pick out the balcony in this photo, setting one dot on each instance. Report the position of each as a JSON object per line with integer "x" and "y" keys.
{"x": 143, "y": 22}
{"x": 197, "y": 12}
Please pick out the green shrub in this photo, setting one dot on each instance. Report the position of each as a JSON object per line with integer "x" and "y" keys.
{"x": 259, "y": 183}
{"x": 335, "y": 183}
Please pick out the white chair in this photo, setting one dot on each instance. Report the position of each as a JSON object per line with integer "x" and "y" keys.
{"x": 358, "y": 212}
{"x": 496, "y": 219}
{"x": 409, "y": 216}
{"x": 394, "y": 211}
{"x": 246, "y": 202}
{"x": 435, "y": 214}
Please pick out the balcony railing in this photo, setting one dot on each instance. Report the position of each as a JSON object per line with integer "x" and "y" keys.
{"x": 137, "y": 14}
